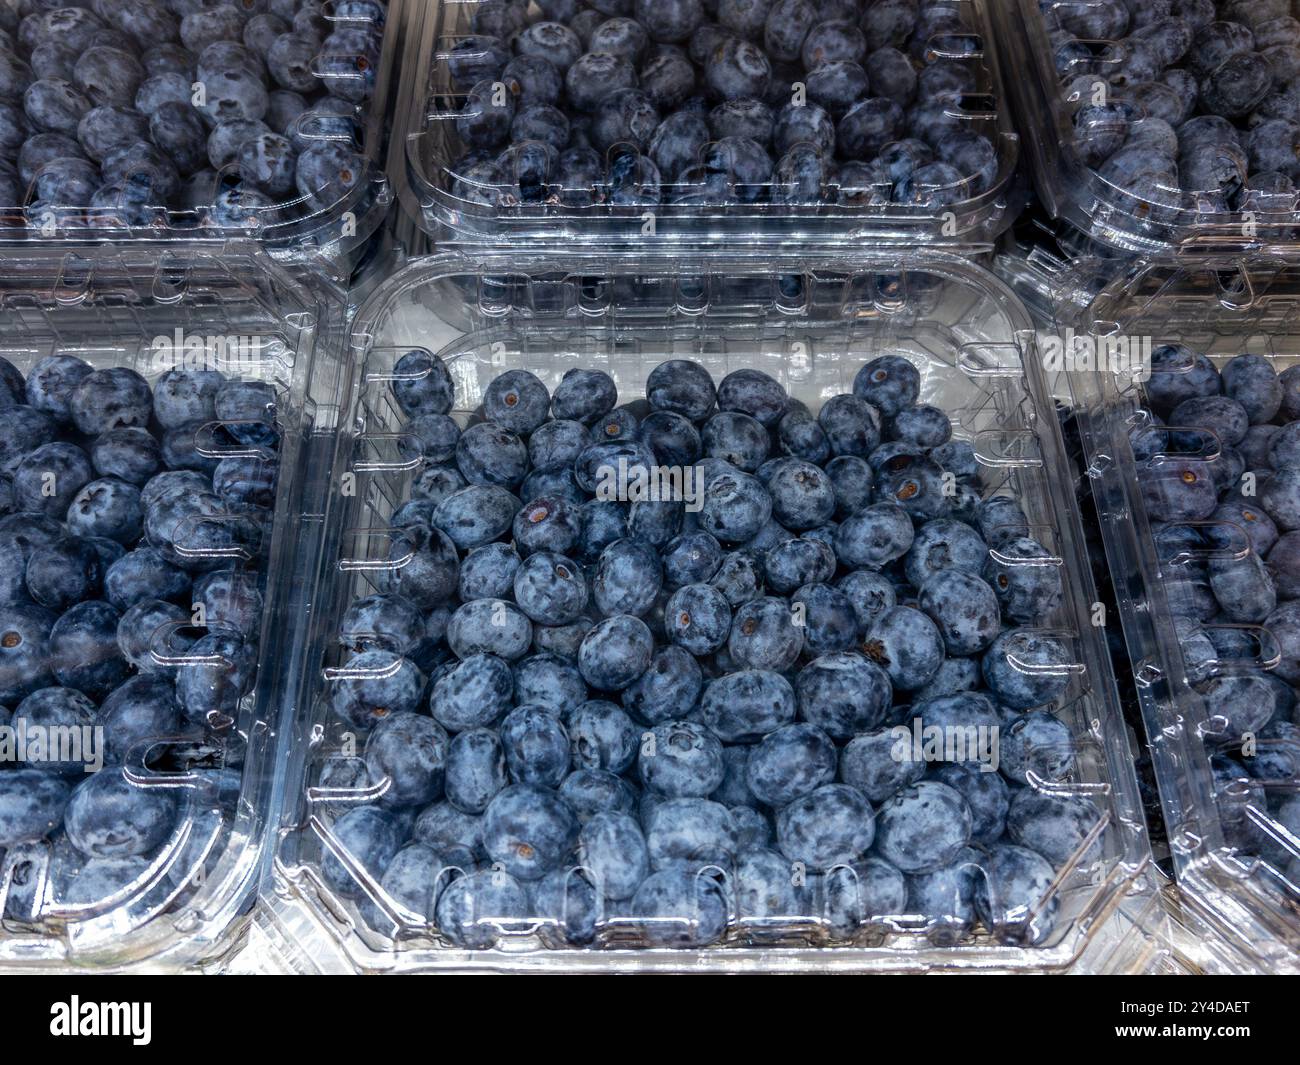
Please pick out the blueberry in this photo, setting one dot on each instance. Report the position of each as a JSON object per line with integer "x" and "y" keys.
{"x": 528, "y": 830}
{"x": 549, "y": 680}
{"x": 668, "y": 80}
{"x": 110, "y": 816}
{"x": 867, "y": 127}
{"x": 667, "y": 690}
{"x": 615, "y": 652}
{"x": 83, "y": 649}
{"x": 595, "y": 76}
{"x": 924, "y": 827}
{"x": 787, "y": 27}
{"x": 473, "y": 693}
{"x": 475, "y": 769}
{"x": 370, "y": 837}
{"x": 628, "y": 578}
{"x": 870, "y": 762}
{"x": 764, "y": 635}
{"x": 373, "y": 685}
{"x": 736, "y": 506}
{"x": 592, "y": 791}
{"x": 680, "y": 759}
{"x": 32, "y": 805}
{"x": 1024, "y": 669}
{"x": 1011, "y": 898}
{"x": 48, "y": 478}
{"x": 698, "y": 618}
{"x": 64, "y": 572}
{"x": 746, "y": 705}
{"x": 680, "y": 907}
{"x": 833, "y": 825}
{"x": 1055, "y": 826}
{"x": 1026, "y": 579}
{"x": 790, "y": 763}
{"x": 874, "y": 536}
{"x": 689, "y": 833}
{"x": 137, "y": 711}
{"x": 209, "y": 687}
{"x": 863, "y": 893}
{"x": 797, "y": 562}
{"x": 964, "y": 608}
{"x": 476, "y": 515}
{"x": 473, "y": 910}
{"x": 907, "y": 645}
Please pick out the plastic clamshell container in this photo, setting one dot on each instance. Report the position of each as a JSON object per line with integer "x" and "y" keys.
{"x": 810, "y": 325}
{"x": 482, "y": 214}
{"x": 234, "y": 309}
{"x": 1171, "y": 219}
{"x": 1235, "y": 864}
{"x": 351, "y": 108}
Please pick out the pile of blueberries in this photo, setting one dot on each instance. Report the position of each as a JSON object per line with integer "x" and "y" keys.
{"x": 130, "y": 604}
{"x": 669, "y": 717}
{"x": 637, "y": 103}
{"x": 1176, "y": 98}
{"x": 1219, "y": 455}
{"x": 231, "y": 114}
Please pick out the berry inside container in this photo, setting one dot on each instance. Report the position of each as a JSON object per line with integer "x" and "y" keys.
{"x": 697, "y": 607}
{"x": 1195, "y": 473}
{"x": 1160, "y": 125}
{"x": 145, "y": 119}
{"x": 154, "y": 406}
{"x": 673, "y": 121}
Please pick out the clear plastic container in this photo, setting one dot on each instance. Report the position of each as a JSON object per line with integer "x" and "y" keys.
{"x": 127, "y": 128}
{"x": 846, "y": 209}
{"x": 1223, "y": 795}
{"x": 166, "y": 876}
{"x": 811, "y": 325}
{"x": 1136, "y": 206}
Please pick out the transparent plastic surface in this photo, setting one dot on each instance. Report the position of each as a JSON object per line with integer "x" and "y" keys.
{"x": 1227, "y": 780}
{"x": 230, "y": 121}
{"x": 684, "y": 184}
{"x": 811, "y": 326}
{"x": 160, "y": 657}
{"x": 1105, "y": 99}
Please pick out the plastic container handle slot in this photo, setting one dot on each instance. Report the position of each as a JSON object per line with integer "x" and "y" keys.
{"x": 1003, "y": 449}
{"x": 381, "y": 444}
{"x": 371, "y": 564}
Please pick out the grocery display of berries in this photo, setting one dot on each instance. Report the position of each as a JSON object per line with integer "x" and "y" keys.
{"x": 1184, "y": 106}
{"x": 677, "y": 103}
{"x": 131, "y": 595}
{"x": 177, "y": 115}
{"x": 1218, "y": 474}
{"x": 669, "y": 728}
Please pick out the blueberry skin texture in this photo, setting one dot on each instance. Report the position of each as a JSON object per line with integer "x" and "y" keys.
{"x": 875, "y": 536}
{"x": 528, "y": 830}
{"x": 987, "y": 795}
{"x": 889, "y": 383}
{"x": 475, "y": 770}
{"x": 69, "y": 469}
{"x": 141, "y": 631}
{"x": 691, "y": 558}
{"x": 736, "y": 506}
{"x": 1251, "y": 381}
{"x": 592, "y": 791}
{"x": 924, "y": 827}
{"x": 56, "y": 709}
{"x": 680, "y": 907}
{"x": 550, "y": 681}
{"x": 113, "y": 398}
{"x": 84, "y": 652}
{"x": 698, "y": 618}
{"x": 142, "y": 707}
{"x": 209, "y": 691}
{"x": 945, "y": 544}
{"x": 374, "y": 685}
{"x": 744, "y": 706}
{"x": 1037, "y": 748}
{"x": 964, "y": 609}
{"x": 1008, "y": 680}
{"x": 1009, "y": 896}
{"x": 370, "y": 837}
{"x": 550, "y": 589}
{"x": 615, "y": 652}
{"x": 32, "y": 805}
{"x": 843, "y": 694}
{"x": 584, "y": 396}
{"x": 602, "y": 736}
{"x": 689, "y": 833}
{"x": 1025, "y": 579}
{"x": 1054, "y": 826}
{"x": 829, "y": 620}
{"x": 51, "y": 382}
{"x": 628, "y": 578}
{"x": 613, "y": 848}
{"x": 907, "y": 645}
{"x": 833, "y": 825}
{"x": 421, "y": 384}
{"x": 408, "y": 750}
{"x": 24, "y": 651}
{"x": 803, "y": 495}
{"x": 765, "y": 636}
{"x": 667, "y": 690}
{"x": 681, "y": 386}
{"x": 381, "y": 622}
{"x": 680, "y": 759}
{"x": 537, "y": 749}
{"x": 852, "y": 425}
{"x": 470, "y": 907}
{"x": 789, "y": 763}
{"x": 109, "y": 817}
{"x": 489, "y": 626}
{"x": 476, "y": 515}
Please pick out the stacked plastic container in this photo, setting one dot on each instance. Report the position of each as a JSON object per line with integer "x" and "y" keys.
{"x": 199, "y": 123}
{"x": 152, "y": 861}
